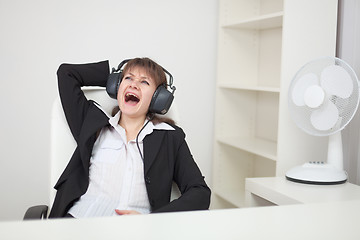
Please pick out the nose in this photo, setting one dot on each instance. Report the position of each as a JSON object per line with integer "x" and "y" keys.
{"x": 134, "y": 84}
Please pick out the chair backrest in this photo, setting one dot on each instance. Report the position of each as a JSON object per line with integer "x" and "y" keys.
{"x": 63, "y": 144}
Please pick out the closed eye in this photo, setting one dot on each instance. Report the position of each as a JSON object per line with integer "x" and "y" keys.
{"x": 145, "y": 82}
{"x": 142, "y": 80}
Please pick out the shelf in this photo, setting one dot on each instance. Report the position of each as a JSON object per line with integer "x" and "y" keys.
{"x": 257, "y": 42}
{"x": 233, "y": 196}
{"x": 273, "y": 20}
{"x": 249, "y": 88}
{"x": 250, "y": 59}
{"x": 258, "y": 146}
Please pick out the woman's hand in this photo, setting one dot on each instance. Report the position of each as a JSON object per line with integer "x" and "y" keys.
{"x": 126, "y": 212}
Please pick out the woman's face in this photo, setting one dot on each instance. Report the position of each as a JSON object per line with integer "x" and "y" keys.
{"x": 135, "y": 92}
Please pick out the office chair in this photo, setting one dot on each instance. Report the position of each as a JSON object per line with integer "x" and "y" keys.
{"x": 62, "y": 144}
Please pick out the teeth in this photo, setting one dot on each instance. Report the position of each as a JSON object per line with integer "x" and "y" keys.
{"x": 131, "y": 94}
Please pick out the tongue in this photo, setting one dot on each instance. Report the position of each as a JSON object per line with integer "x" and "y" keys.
{"x": 132, "y": 100}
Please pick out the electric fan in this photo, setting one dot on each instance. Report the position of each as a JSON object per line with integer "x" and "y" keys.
{"x": 323, "y": 98}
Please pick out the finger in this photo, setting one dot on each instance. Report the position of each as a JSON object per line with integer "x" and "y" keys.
{"x": 122, "y": 212}
{"x": 126, "y": 212}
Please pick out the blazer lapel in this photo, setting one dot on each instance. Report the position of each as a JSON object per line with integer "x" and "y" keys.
{"x": 152, "y": 144}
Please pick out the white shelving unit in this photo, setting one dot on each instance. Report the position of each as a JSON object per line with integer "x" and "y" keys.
{"x": 256, "y": 47}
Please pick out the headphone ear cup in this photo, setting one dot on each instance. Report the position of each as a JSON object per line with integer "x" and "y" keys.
{"x": 112, "y": 84}
{"x": 161, "y": 100}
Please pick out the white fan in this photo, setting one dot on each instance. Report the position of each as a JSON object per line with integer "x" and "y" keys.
{"x": 323, "y": 98}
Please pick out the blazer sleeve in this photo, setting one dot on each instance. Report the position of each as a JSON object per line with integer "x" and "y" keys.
{"x": 71, "y": 77}
{"x": 195, "y": 194}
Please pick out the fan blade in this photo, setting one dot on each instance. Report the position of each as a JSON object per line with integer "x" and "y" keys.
{"x": 326, "y": 117}
{"x": 314, "y": 96}
{"x": 300, "y": 87}
{"x": 335, "y": 80}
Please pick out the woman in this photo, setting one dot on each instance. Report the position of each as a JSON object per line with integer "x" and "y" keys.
{"x": 126, "y": 163}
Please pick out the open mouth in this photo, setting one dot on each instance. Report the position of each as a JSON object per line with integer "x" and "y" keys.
{"x": 131, "y": 98}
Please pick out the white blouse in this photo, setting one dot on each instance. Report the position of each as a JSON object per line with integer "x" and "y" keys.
{"x": 116, "y": 173}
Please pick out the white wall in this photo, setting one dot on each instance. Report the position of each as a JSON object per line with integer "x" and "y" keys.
{"x": 38, "y": 35}
{"x": 348, "y": 49}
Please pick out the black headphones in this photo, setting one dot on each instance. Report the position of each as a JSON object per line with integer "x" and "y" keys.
{"x": 162, "y": 98}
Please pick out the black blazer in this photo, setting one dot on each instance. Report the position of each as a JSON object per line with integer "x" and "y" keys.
{"x": 167, "y": 157}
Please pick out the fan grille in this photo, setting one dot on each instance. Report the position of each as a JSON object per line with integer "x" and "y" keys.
{"x": 346, "y": 106}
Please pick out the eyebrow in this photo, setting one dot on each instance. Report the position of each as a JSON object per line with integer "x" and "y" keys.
{"x": 142, "y": 77}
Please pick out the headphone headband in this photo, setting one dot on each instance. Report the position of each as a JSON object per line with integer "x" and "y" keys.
{"x": 171, "y": 80}
{"x": 120, "y": 66}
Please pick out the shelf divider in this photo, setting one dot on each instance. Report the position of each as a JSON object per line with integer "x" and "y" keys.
{"x": 234, "y": 196}
{"x": 273, "y": 20}
{"x": 258, "y": 146}
{"x": 249, "y": 88}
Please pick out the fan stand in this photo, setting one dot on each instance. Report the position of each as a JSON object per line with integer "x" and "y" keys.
{"x": 321, "y": 173}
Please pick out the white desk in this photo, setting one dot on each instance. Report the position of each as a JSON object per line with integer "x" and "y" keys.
{"x": 335, "y": 220}
{"x": 279, "y": 191}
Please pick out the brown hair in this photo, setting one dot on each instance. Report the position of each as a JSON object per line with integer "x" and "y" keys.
{"x": 156, "y": 72}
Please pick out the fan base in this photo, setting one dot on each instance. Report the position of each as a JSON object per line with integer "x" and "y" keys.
{"x": 317, "y": 173}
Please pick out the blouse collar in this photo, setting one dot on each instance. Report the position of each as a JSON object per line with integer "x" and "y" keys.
{"x": 148, "y": 129}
